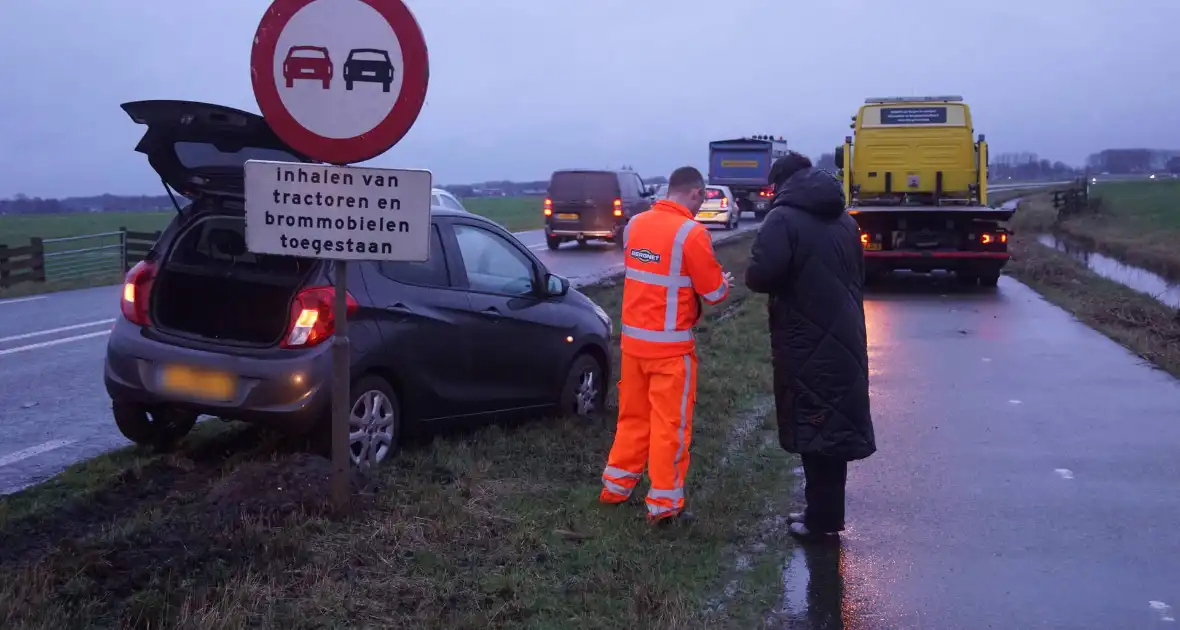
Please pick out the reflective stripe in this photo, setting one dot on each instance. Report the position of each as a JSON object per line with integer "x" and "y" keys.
{"x": 659, "y": 510}
{"x": 615, "y": 488}
{"x": 658, "y": 279}
{"x": 674, "y": 495}
{"x": 657, "y": 336}
{"x": 677, "y": 482}
{"x": 619, "y": 473}
{"x": 714, "y": 296}
{"x": 675, "y": 265}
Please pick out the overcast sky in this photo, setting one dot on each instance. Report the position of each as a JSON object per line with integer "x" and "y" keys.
{"x": 521, "y": 87}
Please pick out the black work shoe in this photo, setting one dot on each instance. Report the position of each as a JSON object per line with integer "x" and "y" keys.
{"x": 800, "y": 531}
{"x": 680, "y": 519}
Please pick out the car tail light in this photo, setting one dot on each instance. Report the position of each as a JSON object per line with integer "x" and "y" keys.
{"x": 137, "y": 289}
{"x": 618, "y": 207}
{"x": 724, "y": 203}
{"x": 312, "y": 317}
{"x": 548, "y": 207}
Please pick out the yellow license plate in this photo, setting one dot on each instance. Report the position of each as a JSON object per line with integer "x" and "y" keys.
{"x": 567, "y": 216}
{"x": 186, "y": 381}
{"x": 872, "y": 247}
{"x": 706, "y": 215}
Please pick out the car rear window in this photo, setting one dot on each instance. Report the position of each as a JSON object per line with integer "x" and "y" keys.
{"x": 714, "y": 193}
{"x": 368, "y": 56}
{"x": 572, "y": 185}
{"x": 197, "y": 155}
{"x": 308, "y": 53}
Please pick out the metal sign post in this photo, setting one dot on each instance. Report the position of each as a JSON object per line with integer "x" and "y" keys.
{"x": 339, "y": 81}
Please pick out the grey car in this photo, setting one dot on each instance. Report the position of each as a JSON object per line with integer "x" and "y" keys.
{"x": 480, "y": 329}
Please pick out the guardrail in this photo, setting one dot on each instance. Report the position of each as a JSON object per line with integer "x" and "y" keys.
{"x": 72, "y": 258}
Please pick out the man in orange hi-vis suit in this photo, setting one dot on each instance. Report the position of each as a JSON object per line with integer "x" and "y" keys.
{"x": 670, "y": 269}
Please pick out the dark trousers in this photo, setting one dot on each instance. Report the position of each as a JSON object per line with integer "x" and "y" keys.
{"x": 824, "y": 491}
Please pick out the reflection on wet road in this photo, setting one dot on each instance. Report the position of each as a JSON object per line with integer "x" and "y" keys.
{"x": 1027, "y": 476}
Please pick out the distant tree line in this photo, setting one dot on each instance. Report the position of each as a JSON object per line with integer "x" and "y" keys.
{"x": 23, "y": 204}
{"x": 1132, "y": 161}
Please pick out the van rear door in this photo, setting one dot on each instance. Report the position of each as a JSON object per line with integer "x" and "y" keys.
{"x": 584, "y": 200}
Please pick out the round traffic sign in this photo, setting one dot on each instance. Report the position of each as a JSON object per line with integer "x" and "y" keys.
{"x": 340, "y": 81}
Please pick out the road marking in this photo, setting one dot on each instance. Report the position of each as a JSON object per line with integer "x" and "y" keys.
{"x": 18, "y": 300}
{"x": 46, "y": 344}
{"x": 1065, "y": 473}
{"x": 33, "y": 451}
{"x": 50, "y": 331}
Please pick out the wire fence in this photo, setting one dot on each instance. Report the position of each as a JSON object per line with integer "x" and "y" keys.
{"x": 74, "y": 258}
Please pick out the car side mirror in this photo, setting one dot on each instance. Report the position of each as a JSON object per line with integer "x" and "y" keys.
{"x": 839, "y": 157}
{"x": 555, "y": 285}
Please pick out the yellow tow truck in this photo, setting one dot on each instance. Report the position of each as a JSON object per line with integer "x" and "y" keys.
{"x": 915, "y": 180}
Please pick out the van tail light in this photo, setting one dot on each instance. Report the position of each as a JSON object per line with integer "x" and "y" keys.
{"x": 312, "y": 319}
{"x": 548, "y": 207}
{"x": 766, "y": 192}
{"x": 618, "y": 207}
{"x": 137, "y": 289}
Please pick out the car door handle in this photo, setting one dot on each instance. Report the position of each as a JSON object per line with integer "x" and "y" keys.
{"x": 491, "y": 311}
{"x": 399, "y": 308}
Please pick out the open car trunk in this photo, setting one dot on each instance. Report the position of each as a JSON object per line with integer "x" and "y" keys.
{"x": 209, "y": 286}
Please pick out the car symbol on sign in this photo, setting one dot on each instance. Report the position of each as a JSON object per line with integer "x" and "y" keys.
{"x": 370, "y": 66}
{"x": 307, "y": 62}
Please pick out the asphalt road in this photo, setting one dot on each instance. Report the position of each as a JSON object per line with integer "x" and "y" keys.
{"x": 1027, "y": 476}
{"x": 54, "y": 409}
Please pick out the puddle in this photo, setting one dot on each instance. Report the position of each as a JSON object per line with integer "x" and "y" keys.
{"x": 1137, "y": 278}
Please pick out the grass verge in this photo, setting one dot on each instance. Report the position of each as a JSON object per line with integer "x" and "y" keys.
{"x": 1139, "y": 223}
{"x": 492, "y": 528}
{"x": 1133, "y": 319}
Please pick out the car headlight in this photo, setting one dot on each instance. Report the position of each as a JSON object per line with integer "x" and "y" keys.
{"x": 610, "y": 328}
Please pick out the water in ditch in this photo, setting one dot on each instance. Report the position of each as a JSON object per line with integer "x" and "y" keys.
{"x": 1137, "y": 278}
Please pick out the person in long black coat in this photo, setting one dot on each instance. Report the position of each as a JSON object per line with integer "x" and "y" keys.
{"x": 807, "y": 256}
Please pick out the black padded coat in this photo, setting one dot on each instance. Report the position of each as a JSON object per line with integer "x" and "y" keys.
{"x": 808, "y": 258}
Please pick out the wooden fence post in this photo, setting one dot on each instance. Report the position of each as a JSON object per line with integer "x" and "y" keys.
{"x": 3, "y": 270}
{"x": 37, "y": 257}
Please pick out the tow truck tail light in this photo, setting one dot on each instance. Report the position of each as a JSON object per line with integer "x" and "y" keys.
{"x": 987, "y": 239}
{"x": 864, "y": 238}
{"x": 312, "y": 317}
{"x": 137, "y": 289}
{"x": 548, "y": 207}
{"x": 618, "y": 207}
{"x": 1003, "y": 238}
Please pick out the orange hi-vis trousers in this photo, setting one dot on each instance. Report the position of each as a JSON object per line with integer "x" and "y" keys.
{"x": 656, "y": 400}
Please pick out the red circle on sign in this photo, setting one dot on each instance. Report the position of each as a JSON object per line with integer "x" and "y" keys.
{"x": 415, "y": 77}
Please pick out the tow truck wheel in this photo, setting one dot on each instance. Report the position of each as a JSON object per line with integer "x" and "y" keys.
{"x": 966, "y": 279}
{"x": 553, "y": 241}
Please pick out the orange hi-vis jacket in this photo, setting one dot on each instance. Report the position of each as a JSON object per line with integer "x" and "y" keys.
{"x": 669, "y": 262}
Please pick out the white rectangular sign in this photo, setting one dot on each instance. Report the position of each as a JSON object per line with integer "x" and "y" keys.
{"x": 337, "y": 212}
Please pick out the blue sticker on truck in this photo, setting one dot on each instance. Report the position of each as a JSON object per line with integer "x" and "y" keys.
{"x": 913, "y": 115}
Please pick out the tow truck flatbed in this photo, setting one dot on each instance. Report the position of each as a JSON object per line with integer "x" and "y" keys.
{"x": 981, "y": 212}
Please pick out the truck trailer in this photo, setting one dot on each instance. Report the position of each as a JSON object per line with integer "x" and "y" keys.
{"x": 915, "y": 180}
{"x": 743, "y": 164}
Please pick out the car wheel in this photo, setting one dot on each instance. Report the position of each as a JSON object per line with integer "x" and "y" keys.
{"x": 161, "y": 429}
{"x": 989, "y": 279}
{"x": 584, "y": 392}
{"x": 374, "y": 422}
{"x": 553, "y": 241}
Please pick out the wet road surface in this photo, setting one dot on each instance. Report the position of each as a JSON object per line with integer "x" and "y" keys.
{"x": 54, "y": 409}
{"x": 1028, "y": 476}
